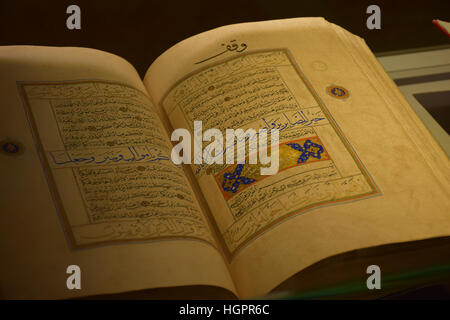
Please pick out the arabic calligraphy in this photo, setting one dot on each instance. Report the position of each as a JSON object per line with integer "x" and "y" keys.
{"x": 110, "y": 167}
{"x": 284, "y": 199}
{"x": 130, "y": 154}
{"x": 274, "y": 123}
{"x": 230, "y": 47}
{"x": 266, "y": 90}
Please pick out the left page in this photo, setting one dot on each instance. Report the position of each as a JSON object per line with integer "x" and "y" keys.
{"x": 87, "y": 180}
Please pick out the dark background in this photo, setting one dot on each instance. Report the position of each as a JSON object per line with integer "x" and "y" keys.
{"x": 140, "y": 30}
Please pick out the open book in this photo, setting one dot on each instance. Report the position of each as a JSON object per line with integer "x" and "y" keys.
{"x": 87, "y": 177}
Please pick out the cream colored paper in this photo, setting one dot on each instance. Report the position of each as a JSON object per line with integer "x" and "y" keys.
{"x": 410, "y": 173}
{"x": 392, "y": 176}
{"x": 104, "y": 195}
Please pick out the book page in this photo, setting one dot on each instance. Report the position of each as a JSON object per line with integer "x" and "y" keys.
{"x": 345, "y": 175}
{"x": 89, "y": 181}
{"x": 429, "y": 148}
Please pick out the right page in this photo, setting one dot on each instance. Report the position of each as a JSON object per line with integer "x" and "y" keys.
{"x": 356, "y": 168}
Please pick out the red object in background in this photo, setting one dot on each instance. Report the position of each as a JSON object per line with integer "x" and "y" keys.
{"x": 443, "y": 25}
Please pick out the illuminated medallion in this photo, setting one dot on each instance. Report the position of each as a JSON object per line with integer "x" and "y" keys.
{"x": 10, "y": 147}
{"x": 236, "y": 178}
{"x": 338, "y": 92}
